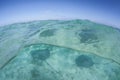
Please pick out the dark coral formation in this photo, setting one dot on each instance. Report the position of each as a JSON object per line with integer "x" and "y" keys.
{"x": 40, "y": 54}
{"x": 48, "y": 33}
{"x": 84, "y": 61}
{"x": 88, "y": 36}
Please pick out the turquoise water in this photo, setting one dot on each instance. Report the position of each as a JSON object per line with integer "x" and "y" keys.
{"x": 59, "y": 50}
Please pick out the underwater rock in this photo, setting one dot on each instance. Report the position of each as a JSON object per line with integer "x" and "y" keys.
{"x": 84, "y": 61}
{"x": 48, "y": 33}
{"x": 88, "y": 36}
{"x": 40, "y": 54}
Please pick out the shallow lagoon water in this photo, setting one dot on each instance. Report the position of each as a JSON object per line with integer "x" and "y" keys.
{"x": 59, "y": 50}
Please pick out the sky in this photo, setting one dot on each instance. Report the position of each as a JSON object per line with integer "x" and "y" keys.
{"x": 101, "y": 11}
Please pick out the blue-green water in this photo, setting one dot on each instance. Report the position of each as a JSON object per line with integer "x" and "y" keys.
{"x": 59, "y": 50}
